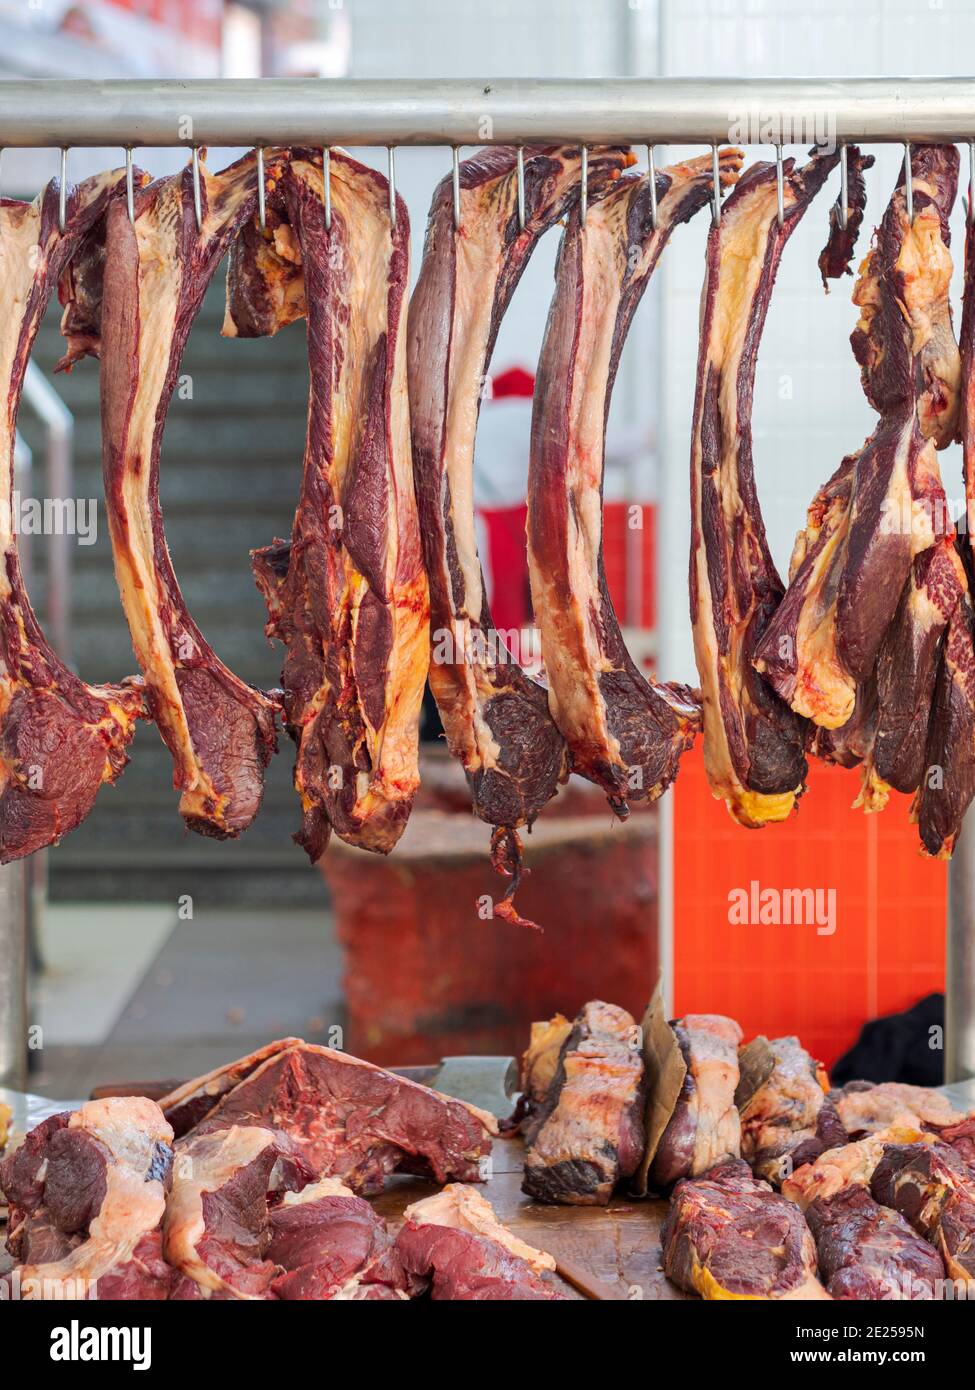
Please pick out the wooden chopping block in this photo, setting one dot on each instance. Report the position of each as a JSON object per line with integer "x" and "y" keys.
{"x": 426, "y": 974}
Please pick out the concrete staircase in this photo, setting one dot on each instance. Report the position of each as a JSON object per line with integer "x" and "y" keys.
{"x": 231, "y": 465}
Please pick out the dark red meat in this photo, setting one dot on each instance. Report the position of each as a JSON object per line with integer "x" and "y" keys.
{"x": 753, "y": 743}
{"x": 347, "y": 592}
{"x": 933, "y": 1187}
{"x": 729, "y": 1236}
{"x": 349, "y": 1119}
{"x": 459, "y": 1266}
{"x": 623, "y": 732}
{"x": 867, "y": 1251}
{"x": 588, "y": 1132}
{"x": 496, "y": 717}
{"x": 86, "y": 1201}
{"x": 60, "y": 739}
{"x": 219, "y": 730}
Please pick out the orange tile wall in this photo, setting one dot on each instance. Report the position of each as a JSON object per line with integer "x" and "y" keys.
{"x": 889, "y": 946}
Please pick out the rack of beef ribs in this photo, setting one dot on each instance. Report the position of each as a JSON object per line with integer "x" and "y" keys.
{"x": 219, "y": 731}
{"x": 872, "y": 639}
{"x": 60, "y": 738}
{"x": 496, "y": 717}
{"x": 623, "y": 732}
{"x": 346, "y": 593}
{"x": 753, "y": 743}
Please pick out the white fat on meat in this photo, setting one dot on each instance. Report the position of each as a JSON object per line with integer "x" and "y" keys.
{"x": 894, "y": 1102}
{"x": 463, "y": 1208}
{"x": 202, "y": 1165}
{"x": 131, "y": 1128}
{"x": 849, "y": 1165}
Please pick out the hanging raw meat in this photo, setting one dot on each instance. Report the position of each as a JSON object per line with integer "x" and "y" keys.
{"x": 219, "y": 731}
{"x": 623, "y": 732}
{"x": 876, "y": 578}
{"x": 946, "y": 791}
{"x": 60, "y": 739}
{"x": 496, "y": 718}
{"x": 836, "y": 257}
{"x": 347, "y": 592}
{"x": 753, "y": 743}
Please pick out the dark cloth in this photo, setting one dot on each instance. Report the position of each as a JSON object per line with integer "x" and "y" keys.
{"x": 898, "y": 1047}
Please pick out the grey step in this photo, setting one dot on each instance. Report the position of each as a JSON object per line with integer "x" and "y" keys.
{"x": 196, "y": 436}
{"x": 271, "y": 887}
{"x": 207, "y": 590}
{"x": 218, "y": 386}
{"x": 196, "y": 541}
{"x": 159, "y": 836}
{"x": 106, "y": 655}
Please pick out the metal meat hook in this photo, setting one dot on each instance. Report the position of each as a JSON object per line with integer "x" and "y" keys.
{"x": 197, "y": 197}
{"x": 652, "y": 176}
{"x": 261, "y": 191}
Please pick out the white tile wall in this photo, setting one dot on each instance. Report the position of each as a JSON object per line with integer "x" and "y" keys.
{"x": 511, "y": 38}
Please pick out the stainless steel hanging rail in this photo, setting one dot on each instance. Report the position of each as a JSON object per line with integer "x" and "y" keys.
{"x": 698, "y": 111}
{"x": 46, "y": 112}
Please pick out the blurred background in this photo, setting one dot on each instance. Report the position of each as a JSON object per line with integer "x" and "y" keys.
{"x": 160, "y": 953}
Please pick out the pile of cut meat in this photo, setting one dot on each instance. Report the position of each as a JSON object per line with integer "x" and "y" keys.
{"x": 865, "y": 656}
{"x": 779, "y": 1187}
{"x": 252, "y": 1183}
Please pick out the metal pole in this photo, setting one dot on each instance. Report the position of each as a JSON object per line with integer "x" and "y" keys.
{"x": 246, "y": 112}
{"x": 13, "y": 975}
{"x": 960, "y": 959}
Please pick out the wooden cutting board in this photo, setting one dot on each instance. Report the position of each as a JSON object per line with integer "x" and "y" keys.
{"x": 617, "y": 1246}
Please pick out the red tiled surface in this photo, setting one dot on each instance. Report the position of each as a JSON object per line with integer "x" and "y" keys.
{"x": 889, "y": 946}
{"x": 616, "y": 541}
